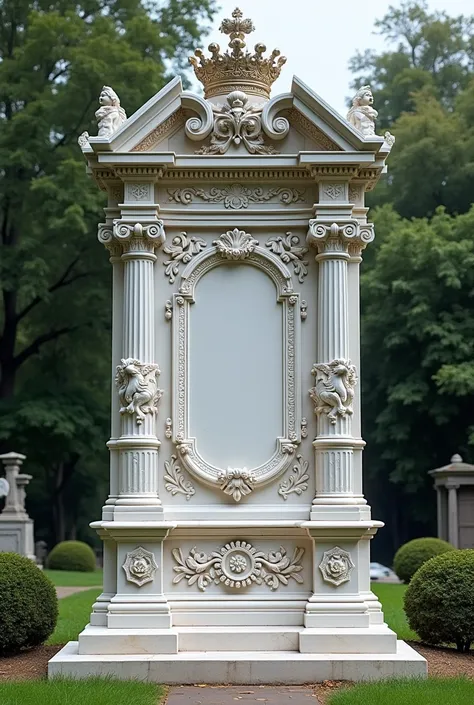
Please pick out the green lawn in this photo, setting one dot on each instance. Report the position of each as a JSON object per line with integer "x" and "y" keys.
{"x": 391, "y": 597}
{"x": 434, "y": 691}
{"x": 94, "y": 691}
{"x": 74, "y": 614}
{"x": 69, "y": 578}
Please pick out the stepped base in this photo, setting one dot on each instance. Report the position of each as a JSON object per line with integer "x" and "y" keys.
{"x": 239, "y": 668}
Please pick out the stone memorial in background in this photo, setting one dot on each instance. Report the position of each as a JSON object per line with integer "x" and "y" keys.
{"x": 236, "y": 534}
{"x": 454, "y": 485}
{"x": 16, "y": 527}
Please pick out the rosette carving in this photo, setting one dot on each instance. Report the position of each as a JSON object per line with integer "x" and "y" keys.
{"x": 140, "y": 566}
{"x": 238, "y": 565}
{"x": 336, "y": 566}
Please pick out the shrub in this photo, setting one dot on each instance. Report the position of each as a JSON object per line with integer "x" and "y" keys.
{"x": 29, "y": 606}
{"x": 413, "y": 554}
{"x": 72, "y": 555}
{"x": 439, "y": 600}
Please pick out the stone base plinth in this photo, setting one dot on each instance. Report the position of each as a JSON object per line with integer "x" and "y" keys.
{"x": 239, "y": 668}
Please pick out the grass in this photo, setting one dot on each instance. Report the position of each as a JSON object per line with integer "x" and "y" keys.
{"x": 391, "y": 597}
{"x": 96, "y": 691}
{"x": 74, "y": 614}
{"x": 433, "y": 691}
{"x": 72, "y": 578}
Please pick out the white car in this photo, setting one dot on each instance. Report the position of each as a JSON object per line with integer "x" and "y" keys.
{"x": 380, "y": 572}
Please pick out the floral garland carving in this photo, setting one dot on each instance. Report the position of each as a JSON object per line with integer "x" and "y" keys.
{"x": 237, "y": 565}
{"x": 236, "y": 196}
{"x": 182, "y": 249}
{"x": 288, "y": 250}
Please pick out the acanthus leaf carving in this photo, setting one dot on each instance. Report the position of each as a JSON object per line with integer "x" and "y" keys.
{"x": 235, "y": 244}
{"x": 140, "y": 566}
{"x": 236, "y": 482}
{"x": 181, "y": 249}
{"x": 137, "y": 388}
{"x": 334, "y": 388}
{"x": 238, "y": 564}
{"x": 236, "y": 196}
{"x": 237, "y": 123}
{"x": 298, "y": 481}
{"x": 174, "y": 480}
{"x": 336, "y": 566}
{"x": 289, "y": 249}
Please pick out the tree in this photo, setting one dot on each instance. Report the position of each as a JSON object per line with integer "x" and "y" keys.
{"x": 417, "y": 360}
{"x": 54, "y": 58}
{"x": 434, "y": 52}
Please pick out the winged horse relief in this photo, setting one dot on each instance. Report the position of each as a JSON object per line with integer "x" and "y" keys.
{"x": 137, "y": 388}
{"x": 334, "y": 388}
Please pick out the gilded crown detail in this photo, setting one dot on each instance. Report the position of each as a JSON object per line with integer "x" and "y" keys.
{"x": 237, "y": 69}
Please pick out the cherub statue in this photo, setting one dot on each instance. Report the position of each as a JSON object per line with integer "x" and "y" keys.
{"x": 110, "y": 115}
{"x": 362, "y": 115}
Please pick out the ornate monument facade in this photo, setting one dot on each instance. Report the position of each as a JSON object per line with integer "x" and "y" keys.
{"x": 236, "y": 534}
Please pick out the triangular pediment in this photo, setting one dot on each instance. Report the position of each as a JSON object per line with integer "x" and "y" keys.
{"x": 182, "y": 123}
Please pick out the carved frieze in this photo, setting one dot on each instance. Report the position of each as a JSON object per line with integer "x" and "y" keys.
{"x": 236, "y": 196}
{"x": 336, "y": 566}
{"x": 140, "y": 566}
{"x": 298, "y": 481}
{"x": 238, "y": 564}
{"x": 289, "y": 249}
{"x": 181, "y": 250}
{"x": 174, "y": 480}
{"x": 334, "y": 388}
{"x": 137, "y": 388}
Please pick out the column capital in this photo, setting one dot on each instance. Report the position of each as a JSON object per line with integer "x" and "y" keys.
{"x": 335, "y": 239}
{"x": 132, "y": 238}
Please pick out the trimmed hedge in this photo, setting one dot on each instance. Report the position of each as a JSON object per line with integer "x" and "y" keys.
{"x": 29, "y": 606}
{"x": 413, "y": 554}
{"x": 72, "y": 555}
{"x": 440, "y": 597}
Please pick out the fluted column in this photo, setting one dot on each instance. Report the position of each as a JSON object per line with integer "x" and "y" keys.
{"x": 335, "y": 233}
{"x": 138, "y": 373}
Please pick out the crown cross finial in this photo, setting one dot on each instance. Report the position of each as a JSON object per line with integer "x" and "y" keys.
{"x": 237, "y": 70}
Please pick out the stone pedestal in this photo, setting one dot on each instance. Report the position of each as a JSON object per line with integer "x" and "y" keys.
{"x": 16, "y": 527}
{"x": 236, "y": 535}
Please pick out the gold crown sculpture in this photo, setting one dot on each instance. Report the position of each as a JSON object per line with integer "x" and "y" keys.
{"x": 237, "y": 70}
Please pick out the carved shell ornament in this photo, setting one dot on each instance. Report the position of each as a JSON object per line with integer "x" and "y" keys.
{"x": 238, "y": 564}
{"x": 235, "y": 244}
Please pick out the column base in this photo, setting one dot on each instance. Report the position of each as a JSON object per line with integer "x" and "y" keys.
{"x": 133, "y": 513}
{"x": 124, "y": 612}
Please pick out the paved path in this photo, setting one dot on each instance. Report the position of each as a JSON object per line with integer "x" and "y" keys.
{"x": 245, "y": 695}
{"x": 70, "y": 590}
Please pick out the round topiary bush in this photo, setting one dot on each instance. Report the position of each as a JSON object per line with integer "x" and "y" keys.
{"x": 29, "y": 606}
{"x": 72, "y": 555}
{"x": 439, "y": 600}
{"x": 413, "y": 554}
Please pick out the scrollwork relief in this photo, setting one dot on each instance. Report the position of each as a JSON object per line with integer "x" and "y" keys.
{"x": 181, "y": 249}
{"x": 334, "y": 388}
{"x": 236, "y": 196}
{"x": 336, "y": 566}
{"x": 235, "y": 244}
{"x": 289, "y": 249}
{"x": 137, "y": 388}
{"x": 238, "y": 564}
{"x": 174, "y": 480}
{"x": 237, "y": 123}
{"x": 298, "y": 481}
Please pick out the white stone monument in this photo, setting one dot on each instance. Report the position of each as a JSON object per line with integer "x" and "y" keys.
{"x": 16, "y": 527}
{"x": 236, "y": 534}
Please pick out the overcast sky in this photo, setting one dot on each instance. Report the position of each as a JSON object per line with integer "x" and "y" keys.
{"x": 318, "y": 37}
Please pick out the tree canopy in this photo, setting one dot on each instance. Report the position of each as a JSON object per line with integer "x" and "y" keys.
{"x": 55, "y": 298}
